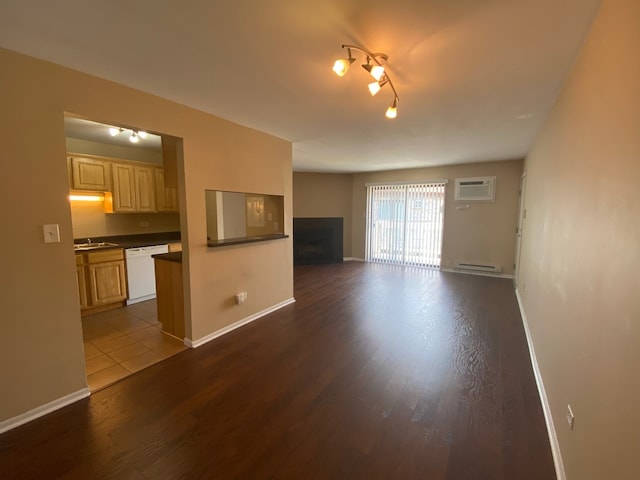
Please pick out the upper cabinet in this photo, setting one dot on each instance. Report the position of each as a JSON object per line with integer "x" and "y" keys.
{"x": 90, "y": 174}
{"x": 124, "y": 188}
{"x": 133, "y": 188}
{"x": 170, "y": 160}
{"x": 129, "y": 186}
{"x": 145, "y": 189}
{"x": 166, "y": 197}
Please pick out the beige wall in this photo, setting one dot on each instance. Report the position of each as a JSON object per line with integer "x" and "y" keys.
{"x": 483, "y": 233}
{"x": 325, "y": 195}
{"x": 89, "y": 220}
{"x": 581, "y": 251}
{"x": 40, "y": 331}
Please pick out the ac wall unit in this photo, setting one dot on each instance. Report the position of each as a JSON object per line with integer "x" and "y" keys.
{"x": 475, "y": 189}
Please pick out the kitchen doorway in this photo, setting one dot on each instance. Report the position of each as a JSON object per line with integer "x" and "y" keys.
{"x": 123, "y": 197}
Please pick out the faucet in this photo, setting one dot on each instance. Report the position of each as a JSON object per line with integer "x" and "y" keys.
{"x": 88, "y": 240}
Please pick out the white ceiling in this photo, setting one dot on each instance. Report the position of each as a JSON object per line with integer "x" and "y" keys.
{"x": 475, "y": 78}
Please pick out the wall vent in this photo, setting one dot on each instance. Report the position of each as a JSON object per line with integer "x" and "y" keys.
{"x": 478, "y": 267}
{"x": 475, "y": 189}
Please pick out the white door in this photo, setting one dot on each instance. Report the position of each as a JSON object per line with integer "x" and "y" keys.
{"x": 522, "y": 213}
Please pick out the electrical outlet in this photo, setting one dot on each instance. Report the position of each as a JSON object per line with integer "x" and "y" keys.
{"x": 241, "y": 297}
{"x": 570, "y": 417}
{"x": 144, "y": 224}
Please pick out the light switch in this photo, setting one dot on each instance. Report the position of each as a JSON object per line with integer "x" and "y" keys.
{"x": 51, "y": 233}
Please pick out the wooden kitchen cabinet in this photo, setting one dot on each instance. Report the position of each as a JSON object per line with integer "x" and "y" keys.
{"x": 145, "y": 189}
{"x": 124, "y": 188}
{"x": 166, "y": 197}
{"x": 82, "y": 282}
{"x": 102, "y": 280}
{"x": 133, "y": 188}
{"x": 90, "y": 174}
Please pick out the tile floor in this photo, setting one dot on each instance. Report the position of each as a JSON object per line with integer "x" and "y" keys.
{"x": 120, "y": 342}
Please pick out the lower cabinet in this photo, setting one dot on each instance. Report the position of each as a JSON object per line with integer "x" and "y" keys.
{"x": 101, "y": 279}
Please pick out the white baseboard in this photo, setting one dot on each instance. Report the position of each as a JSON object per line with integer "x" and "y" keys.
{"x": 353, "y": 259}
{"x": 551, "y": 430}
{"x": 212, "y": 336}
{"x": 471, "y": 272}
{"x": 43, "y": 410}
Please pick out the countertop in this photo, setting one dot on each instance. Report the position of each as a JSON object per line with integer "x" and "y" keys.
{"x": 133, "y": 241}
{"x": 169, "y": 257}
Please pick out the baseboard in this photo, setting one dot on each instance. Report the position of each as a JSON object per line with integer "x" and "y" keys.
{"x": 43, "y": 410}
{"x": 551, "y": 430}
{"x": 471, "y": 272}
{"x": 353, "y": 259}
{"x": 212, "y": 336}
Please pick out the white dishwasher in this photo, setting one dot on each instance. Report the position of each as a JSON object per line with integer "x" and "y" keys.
{"x": 141, "y": 274}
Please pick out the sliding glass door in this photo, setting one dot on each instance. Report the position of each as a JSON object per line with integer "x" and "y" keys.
{"x": 404, "y": 223}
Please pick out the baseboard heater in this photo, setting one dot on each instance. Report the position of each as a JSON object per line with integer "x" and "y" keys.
{"x": 478, "y": 267}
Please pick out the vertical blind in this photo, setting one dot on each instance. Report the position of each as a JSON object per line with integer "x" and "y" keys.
{"x": 404, "y": 224}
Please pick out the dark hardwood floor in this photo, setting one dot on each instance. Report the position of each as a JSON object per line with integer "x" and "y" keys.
{"x": 376, "y": 372}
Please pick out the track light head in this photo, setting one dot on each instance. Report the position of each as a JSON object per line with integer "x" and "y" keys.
{"x": 342, "y": 66}
{"x": 392, "y": 111}
{"x": 375, "y": 87}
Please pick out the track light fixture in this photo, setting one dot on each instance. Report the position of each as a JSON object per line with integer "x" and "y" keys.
{"x": 375, "y": 67}
{"x": 134, "y": 136}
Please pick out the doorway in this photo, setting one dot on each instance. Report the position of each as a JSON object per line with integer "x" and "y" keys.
{"x": 121, "y": 198}
{"x": 522, "y": 213}
{"x": 405, "y": 224}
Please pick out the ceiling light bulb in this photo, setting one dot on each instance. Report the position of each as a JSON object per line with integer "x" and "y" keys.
{"x": 392, "y": 111}
{"x": 142, "y": 134}
{"x": 341, "y": 66}
{"x": 134, "y": 137}
{"x": 377, "y": 72}
{"x": 113, "y": 131}
{"x": 374, "y": 88}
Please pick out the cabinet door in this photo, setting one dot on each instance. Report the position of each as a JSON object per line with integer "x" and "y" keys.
{"x": 89, "y": 174}
{"x": 82, "y": 285}
{"x": 107, "y": 282}
{"x": 145, "y": 189}
{"x": 166, "y": 197}
{"x": 124, "y": 191}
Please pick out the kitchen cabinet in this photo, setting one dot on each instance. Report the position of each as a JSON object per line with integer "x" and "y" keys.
{"x": 170, "y": 147}
{"x": 82, "y": 282}
{"x": 169, "y": 294}
{"x": 166, "y": 197}
{"x": 133, "y": 188}
{"x": 102, "y": 281}
{"x": 90, "y": 174}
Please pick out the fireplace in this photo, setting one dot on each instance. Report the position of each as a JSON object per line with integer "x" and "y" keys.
{"x": 317, "y": 240}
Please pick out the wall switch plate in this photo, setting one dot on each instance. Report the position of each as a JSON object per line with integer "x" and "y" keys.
{"x": 51, "y": 233}
{"x": 570, "y": 417}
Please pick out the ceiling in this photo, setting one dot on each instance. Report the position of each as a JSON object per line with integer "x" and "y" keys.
{"x": 475, "y": 78}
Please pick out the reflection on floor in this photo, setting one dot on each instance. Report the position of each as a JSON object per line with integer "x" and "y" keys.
{"x": 120, "y": 342}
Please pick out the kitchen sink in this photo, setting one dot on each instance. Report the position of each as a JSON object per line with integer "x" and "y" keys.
{"x": 93, "y": 245}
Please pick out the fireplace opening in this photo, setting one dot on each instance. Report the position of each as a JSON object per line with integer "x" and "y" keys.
{"x": 317, "y": 240}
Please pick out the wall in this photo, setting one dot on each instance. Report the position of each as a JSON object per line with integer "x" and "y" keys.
{"x": 40, "y": 334}
{"x": 325, "y": 195}
{"x": 483, "y": 233}
{"x": 581, "y": 251}
{"x": 89, "y": 220}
